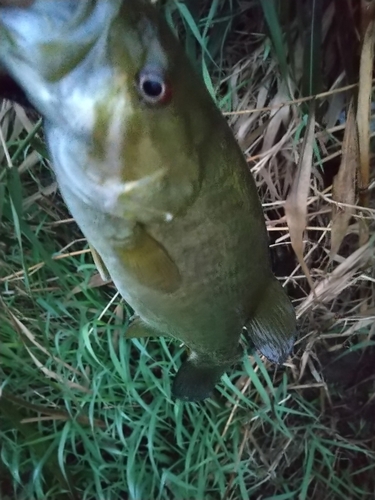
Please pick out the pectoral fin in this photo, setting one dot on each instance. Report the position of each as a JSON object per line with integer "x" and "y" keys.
{"x": 272, "y": 326}
{"x": 196, "y": 381}
{"x": 139, "y": 329}
{"x": 148, "y": 262}
{"x": 101, "y": 267}
{"x": 198, "y": 375}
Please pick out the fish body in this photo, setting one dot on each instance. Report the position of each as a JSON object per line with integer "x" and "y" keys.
{"x": 151, "y": 172}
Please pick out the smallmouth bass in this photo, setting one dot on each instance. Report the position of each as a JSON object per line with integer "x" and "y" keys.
{"x": 151, "y": 172}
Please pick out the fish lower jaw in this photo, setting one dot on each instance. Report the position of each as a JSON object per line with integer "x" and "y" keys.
{"x": 101, "y": 197}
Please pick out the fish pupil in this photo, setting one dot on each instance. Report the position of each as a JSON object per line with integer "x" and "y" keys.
{"x": 152, "y": 88}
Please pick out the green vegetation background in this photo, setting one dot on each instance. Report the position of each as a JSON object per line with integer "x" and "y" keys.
{"x": 86, "y": 414}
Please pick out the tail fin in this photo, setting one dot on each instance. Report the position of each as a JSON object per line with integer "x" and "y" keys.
{"x": 272, "y": 327}
{"x": 195, "y": 381}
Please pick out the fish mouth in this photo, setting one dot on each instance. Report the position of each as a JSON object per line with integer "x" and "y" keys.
{"x": 54, "y": 36}
{"x": 118, "y": 199}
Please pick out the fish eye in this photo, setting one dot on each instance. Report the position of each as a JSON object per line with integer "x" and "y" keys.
{"x": 153, "y": 87}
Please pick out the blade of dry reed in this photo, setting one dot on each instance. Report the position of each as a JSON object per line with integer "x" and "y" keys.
{"x": 296, "y": 203}
{"x": 342, "y": 277}
{"x": 364, "y": 107}
{"x": 344, "y": 183}
{"x": 278, "y": 117}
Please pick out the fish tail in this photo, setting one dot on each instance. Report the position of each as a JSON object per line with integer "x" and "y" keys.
{"x": 272, "y": 325}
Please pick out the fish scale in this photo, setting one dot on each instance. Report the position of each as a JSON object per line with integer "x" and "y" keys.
{"x": 154, "y": 178}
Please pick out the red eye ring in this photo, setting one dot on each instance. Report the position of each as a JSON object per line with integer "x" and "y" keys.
{"x": 153, "y": 87}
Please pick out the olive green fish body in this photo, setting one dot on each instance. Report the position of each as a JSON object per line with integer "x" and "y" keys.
{"x": 151, "y": 172}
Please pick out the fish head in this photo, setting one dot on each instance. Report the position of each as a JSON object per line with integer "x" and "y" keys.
{"x": 112, "y": 75}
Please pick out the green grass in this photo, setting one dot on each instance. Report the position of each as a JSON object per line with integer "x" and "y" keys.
{"x": 86, "y": 414}
{"x": 101, "y": 414}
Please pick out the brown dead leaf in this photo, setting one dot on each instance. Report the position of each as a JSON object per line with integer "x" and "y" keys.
{"x": 24, "y": 334}
{"x": 336, "y": 103}
{"x": 343, "y": 188}
{"x": 54, "y": 375}
{"x": 43, "y": 192}
{"x": 97, "y": 280}
{"x": 278, "y": 116}
{"x": 328, "y": 19}
{"x": 367, "y": 15}
{"x": 296, "y": 203}
{"x": 364, "y": 108}
{"x": 94, "y": 282}
{"x": 244, "y": 124}
{"x": 342, "y": 277}
{"x": 99, "y": 263}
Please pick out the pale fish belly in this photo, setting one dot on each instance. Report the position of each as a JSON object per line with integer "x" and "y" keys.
{"x": 214, "y": 294}
{"x": 222, "y": 269}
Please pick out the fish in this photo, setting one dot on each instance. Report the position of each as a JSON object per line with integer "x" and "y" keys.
{"x": 152, "y": 173}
